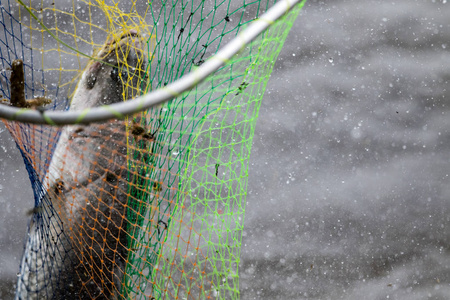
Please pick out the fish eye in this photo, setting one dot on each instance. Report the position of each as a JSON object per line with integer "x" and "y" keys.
{"x": 124, "y": 75}
{"x": 115, "y": 74}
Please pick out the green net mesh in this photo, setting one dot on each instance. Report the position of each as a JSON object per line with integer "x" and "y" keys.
{"x": 151, "y": 206}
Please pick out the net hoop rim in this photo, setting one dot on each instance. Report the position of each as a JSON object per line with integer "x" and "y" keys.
{"x": 158, "y": 96}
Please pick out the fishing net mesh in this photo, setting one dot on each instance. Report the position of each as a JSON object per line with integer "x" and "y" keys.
{"x": 151, "y": 206}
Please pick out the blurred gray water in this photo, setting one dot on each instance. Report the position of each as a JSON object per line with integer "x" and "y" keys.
{"x": 349, "y": 177}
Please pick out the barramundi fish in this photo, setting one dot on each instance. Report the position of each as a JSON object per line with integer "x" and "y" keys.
{"x": 77, "y": 245}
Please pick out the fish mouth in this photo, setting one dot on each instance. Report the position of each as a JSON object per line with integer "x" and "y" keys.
{"x": 132, "y": 33}
{"x": 130, "y": 43}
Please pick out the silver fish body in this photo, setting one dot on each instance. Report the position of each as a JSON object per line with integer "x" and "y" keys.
{"x": 77, "y": 246}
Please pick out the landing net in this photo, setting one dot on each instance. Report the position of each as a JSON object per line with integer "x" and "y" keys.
{"x": 150, "y": 206}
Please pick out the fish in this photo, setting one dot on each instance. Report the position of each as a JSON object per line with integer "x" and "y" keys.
{"x": 78, "y": 235}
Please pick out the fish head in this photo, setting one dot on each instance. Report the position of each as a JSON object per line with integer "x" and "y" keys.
{"x": 117, "y": 73}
